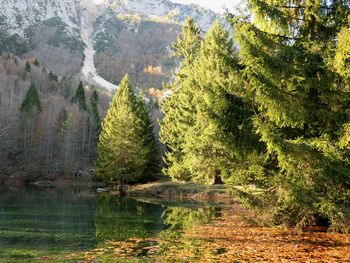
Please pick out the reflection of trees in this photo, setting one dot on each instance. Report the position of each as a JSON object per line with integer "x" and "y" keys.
{"x": 173, "y": 242}
{"x": 121, "y": 219}
{"x": 177, "y": 218}
{"x": 45, "y": 221}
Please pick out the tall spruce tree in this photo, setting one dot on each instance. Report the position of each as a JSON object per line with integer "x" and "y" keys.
{"x": 217, "y": 144}
{"x": 94, "y": 113}
{"x": 29, "y": 111}
{"x": 27, "y": 67}
{"x": 31, "y": 100}
{"x": 79, "y": 97}
{"x": 179, "y": 111}
{"x": 293, "y": 78}
{"x": 124, "y": 145}
{"x": 206, "y": 126}
{"x": 151, "y": 147}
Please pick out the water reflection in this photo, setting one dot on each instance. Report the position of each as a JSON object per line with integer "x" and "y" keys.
{"x": 120, "y": 219}
{"x": 35, "y": 223}
{"x": 178, "y": 218}
{"x": 48, "y": 221}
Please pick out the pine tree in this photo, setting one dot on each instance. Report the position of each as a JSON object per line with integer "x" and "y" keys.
{"x": 301, "y": 101}
{"x": 52, "y": 76}
{"x": 94, "y": 121}
{"x": 178, "y": 109}
{"x": 153, "y": 165}
{"x": 28, "y": 67}
{"x": 219, "y": 141}
{"x": 206, "y": 126}
{"x": 94, "y": 113}
{"x": 31, "y": 100}
{"x": 29, "y": 111}
{"x": 123, "y": 155}
{"x": 79, "y": 97}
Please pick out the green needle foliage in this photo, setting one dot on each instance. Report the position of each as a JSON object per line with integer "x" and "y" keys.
{"x": 94, "y": 113}
{"x": 274, "y": 113}
{"x": 29, "y": 112}
{"x": 31, "y": 100}
{"x": 127, "y": 145}
{"x": 79, "y": 97}
{"x": 179, "y": 111}
{"x": 28, "y": 68}
{"x": 294, "y": 57}
{"x": 206, "y": 126}
{"x": 219, "y": 140}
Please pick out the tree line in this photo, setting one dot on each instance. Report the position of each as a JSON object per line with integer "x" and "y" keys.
{"x": 48, "y": 124}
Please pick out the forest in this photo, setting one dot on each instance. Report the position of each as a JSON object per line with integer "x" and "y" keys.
{"x": 268, "y": 112}
{"x": 243, "y": 154}
{"x": 48, "y": 124}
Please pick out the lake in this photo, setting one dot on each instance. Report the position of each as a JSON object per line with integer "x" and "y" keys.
{"x": 48, "y": 224}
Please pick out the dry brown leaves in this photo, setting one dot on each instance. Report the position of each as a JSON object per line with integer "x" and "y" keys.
{"x": 230, "y": 240}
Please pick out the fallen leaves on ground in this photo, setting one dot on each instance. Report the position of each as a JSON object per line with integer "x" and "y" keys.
{"x": 231, "y": 239}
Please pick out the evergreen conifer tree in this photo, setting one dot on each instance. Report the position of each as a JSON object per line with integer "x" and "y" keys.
{"x": 292, "y": 77}
{"x": 29, "y": 110}
{"x": 123, "y": 147}
{"x": 179, "y": 111}
{"x": 79, "y": 97}
{"x": 153, "y": 164}
{"x": 206, "y": 126}
{"x": 218, "y": 144}
{"x": 31, "y": 100}
{"x": 94, "y": 121}
{"x": 94, "y": 113}
{"x": 28, "y": 67}
{"x": 52, "y": 76}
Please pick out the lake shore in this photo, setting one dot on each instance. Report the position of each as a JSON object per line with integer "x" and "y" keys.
{"x": 228, "y": 238}
{"x": 181, "y": 191}
{"x": 158, "y": 189}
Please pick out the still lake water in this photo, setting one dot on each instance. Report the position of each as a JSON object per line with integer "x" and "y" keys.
{"x": 35, "y": 223}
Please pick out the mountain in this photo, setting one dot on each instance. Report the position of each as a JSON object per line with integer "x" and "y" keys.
{"x": 46, "y": 30}
{"x": 108, "y": 39}
{"x": 164, "y": 9}
{"x": 18, "y": 15}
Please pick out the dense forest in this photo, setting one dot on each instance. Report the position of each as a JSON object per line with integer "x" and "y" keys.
{"x": 270, "y": 111}
{"x": 48, "y": 124}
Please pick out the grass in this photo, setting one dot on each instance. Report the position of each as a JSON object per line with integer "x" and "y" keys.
{"x": 194, "y": 191}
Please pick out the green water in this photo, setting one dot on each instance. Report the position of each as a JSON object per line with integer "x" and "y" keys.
{"x": 35, "y": 223}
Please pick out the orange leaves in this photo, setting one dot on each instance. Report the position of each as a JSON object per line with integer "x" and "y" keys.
{"x": 229, "y": 239}
{"x": 238, "y": 241}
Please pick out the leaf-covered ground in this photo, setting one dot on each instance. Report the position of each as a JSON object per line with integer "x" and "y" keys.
{"x": 227, "y": 239}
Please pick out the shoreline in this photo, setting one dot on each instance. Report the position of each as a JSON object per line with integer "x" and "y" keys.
{"x": 182, "y": 191}
{"x": 164, "y": 189}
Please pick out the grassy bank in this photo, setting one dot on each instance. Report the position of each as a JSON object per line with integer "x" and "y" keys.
{"x": 186, "y": 191}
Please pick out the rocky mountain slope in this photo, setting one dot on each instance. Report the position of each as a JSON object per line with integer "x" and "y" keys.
{"x": 18, "y": 15}
{"x": 121, "y": 36}
{"x": 163, "y": 10}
